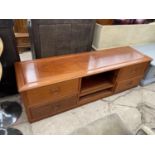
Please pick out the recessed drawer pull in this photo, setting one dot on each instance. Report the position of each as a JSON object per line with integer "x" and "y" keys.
{"x": 129, "y": 83}
{"x": 134, "y": 71}
{"x": 57, "y": 106}
{"x": 55, "y": 90}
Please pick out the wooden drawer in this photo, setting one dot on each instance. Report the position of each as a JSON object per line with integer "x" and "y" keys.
{"x": 39, "y": 112}
{"x": 51, "y": 93}
{"x": 132, "y": 71}
{"x": 127, "y": 84}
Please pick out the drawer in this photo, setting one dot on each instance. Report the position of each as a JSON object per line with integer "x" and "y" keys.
{"x": 121, "y": 86}
{"x": 39, "y": 112}
{"x": 132, "y": 71}
{"x": 51, "y": 93}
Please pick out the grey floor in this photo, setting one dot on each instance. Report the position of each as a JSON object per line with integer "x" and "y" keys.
{"x": 135, "y": 107}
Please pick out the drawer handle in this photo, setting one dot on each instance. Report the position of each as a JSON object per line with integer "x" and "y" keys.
{"x": 55, "y": 90}
{"x": 134, "y": 71}
{"x": 57, "y": 107}
{"x": 129, "y": 83}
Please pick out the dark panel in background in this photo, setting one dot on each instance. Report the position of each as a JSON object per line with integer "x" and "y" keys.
{"x": 8, "y": 58}
{"x": 52, "y": 37}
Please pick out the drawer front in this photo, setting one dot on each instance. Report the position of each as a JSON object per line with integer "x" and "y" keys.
{"x": 132, "y": 71}
{"x": 46, "y": 110}
{"x": 53, "y": 92}
{"x": 121, "y": 86}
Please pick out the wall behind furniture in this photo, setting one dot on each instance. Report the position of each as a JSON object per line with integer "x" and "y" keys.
{"x": 122, "y": 35}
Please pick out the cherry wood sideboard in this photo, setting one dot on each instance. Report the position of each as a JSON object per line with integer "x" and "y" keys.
{"x": 52, "y": 85}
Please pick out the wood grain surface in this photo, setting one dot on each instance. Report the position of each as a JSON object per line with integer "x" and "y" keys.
{"x": 45, "y": 71}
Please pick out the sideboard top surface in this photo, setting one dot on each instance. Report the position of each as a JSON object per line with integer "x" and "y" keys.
{"x": 45, "y": 71}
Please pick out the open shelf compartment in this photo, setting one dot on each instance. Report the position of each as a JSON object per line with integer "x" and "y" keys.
{"x": 98, "y": 82}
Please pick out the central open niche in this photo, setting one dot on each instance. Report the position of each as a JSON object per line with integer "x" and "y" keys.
{"x": 99, "y": 82}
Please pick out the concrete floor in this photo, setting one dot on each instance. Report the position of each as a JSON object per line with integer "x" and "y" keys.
{"x": 135, "y": 107}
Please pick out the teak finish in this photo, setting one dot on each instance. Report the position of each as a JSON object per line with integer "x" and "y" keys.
{"x": 52, "y": 85}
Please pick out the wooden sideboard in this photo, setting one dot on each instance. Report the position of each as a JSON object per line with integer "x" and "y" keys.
{"x": 52, "y": 85}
